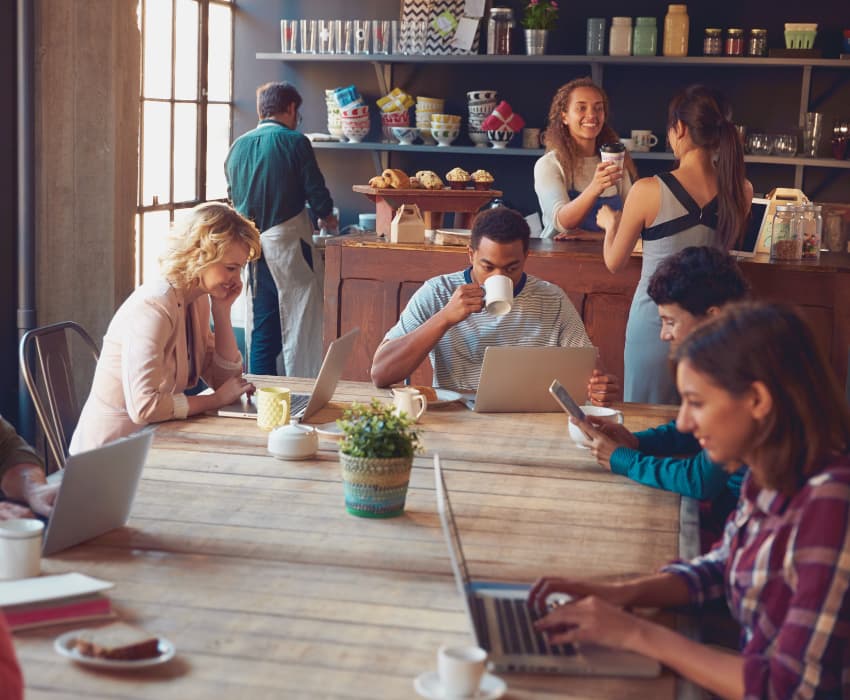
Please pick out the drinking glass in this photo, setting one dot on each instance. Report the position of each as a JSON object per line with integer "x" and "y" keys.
{"x": 381, "y": 36}
{"x": 288, "y": 35}
{"x": 325, "y": 35}
{"x": 361, "y": 36}
{"x": 759, "y": 144}
{"x": 342, "y": 35}
{"x": 812, "y": 132}
{"x": 785, "y": 144}
{"x": 395, "y": 49}
{"x": 308, "y": 36}
{"x": 420, "y": 36}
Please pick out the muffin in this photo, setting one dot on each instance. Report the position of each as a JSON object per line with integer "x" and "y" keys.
{"x": 457, "y": 178}
{"x": 429, "y": 180}
{"x": 482, "y": 180}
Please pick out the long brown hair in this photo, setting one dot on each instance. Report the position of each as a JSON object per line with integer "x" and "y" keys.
{"x": 558, "y": 137}
{"x": 708, "y": 116}
{"x": 809, "y": 422}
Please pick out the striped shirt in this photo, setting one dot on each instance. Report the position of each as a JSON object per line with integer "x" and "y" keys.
{"x": 784, "y": 567}
{"x": 542, "y": 316}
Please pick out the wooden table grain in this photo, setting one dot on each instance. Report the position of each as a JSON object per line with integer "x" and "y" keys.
{"x": 269, "y": 589}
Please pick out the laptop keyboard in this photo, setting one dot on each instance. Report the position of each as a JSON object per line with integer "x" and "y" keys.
{"x": 299, "y": 403}
{"x": 517, "y": 630}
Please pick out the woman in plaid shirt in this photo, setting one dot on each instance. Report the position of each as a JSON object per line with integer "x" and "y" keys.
{"x": 755, "y": 389}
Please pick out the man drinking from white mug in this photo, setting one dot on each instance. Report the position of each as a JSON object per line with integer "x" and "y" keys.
{"x": 445, "y": 320}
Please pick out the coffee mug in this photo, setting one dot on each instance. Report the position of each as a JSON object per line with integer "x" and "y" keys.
{"x": 609, "y": 415}
{"x": 460, "y": 669}
{"x": 20, "y": 548}
{"x": 406, "y": 399}
{"x": 531, "y": 138}
{"x": 644, "y": 139}
{"x": 628, "y": 143}
{"x": 498, "y": 295}
{"x": 272, "y": 407}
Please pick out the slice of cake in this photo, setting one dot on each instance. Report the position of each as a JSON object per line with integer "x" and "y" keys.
{"x": 118, "y": 641}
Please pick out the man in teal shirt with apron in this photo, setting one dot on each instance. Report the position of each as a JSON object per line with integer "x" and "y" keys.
{"x": 271, "y": 173}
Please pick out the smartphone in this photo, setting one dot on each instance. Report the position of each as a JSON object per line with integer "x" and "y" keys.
{"x": 565, "y": 400}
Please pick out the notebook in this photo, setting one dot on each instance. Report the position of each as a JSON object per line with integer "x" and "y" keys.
{"x": 516, "y": 379}
{"x": 501, "y": 620}
{"x": 305, "y": 405}
{"x": 755, "y": 229}
{"x": 96, "y": 491}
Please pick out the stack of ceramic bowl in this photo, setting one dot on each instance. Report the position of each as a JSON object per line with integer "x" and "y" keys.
{"x": 393, "y": 119}
{"x": 334, "y": 116}
{"x": 445, "y": 128}
{"x": 425, "y": 107}
{"x": 355, "y": 122}
{"x": 502, "y": 124}
{"x": 481, "y": 104}
{"x": 394, "y": 112}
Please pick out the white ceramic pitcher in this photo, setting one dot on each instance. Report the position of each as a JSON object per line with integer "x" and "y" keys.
{"x": 406, "y": 399}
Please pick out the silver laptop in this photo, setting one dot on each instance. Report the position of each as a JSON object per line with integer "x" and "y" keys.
{"x": 502, "y": 622}
{"x": 96, "y": 491}
{"x": 305, "y": 405}
{"x": 516, "y": 379}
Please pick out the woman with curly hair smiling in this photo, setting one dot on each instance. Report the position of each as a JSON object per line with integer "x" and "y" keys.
{"x": 159, "y": 343}
{"x": 570, "y": 180}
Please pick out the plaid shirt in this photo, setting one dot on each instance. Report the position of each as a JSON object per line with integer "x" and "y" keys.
{"x": 784, "y": 566}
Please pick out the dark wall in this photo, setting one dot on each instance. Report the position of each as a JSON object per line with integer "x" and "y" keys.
{"x": 764, "y": 99}
{"x": 8, "y": 213}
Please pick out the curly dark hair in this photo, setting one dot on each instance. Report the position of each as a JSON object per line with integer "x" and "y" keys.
{"x": 809, "y": 421}
{"x": 698, "y": 278}
{"x": 275, "y": 98}
{"x": 558, "y": 137}
{"x": 501, "y": 225}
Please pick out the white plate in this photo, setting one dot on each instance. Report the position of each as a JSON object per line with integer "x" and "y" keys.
{"x": 428, "y": 686}
{"x": 63, "y": 647}
{"x": 329, "y": 430}
{"x": 445, "y": 397}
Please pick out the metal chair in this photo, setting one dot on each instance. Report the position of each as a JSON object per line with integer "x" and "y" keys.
{"x": 46, "y": 365}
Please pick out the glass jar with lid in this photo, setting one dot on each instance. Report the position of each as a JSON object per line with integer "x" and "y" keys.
{"x": 499, "y": 29}
{"x": 620, "y": 41}
{"x": 811, "y": 224}
{"x": 734, "y": 42}
{"x": 712, "y": 43}
{"x": 785, "y": 240}
{"x": 757, "y": 45}
{"x": 676, "y": 26}
{"x": 645, "y": 37}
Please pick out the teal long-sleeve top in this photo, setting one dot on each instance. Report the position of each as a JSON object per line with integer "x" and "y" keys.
{"x": 653, "y": 464}
{"x": 271, "y": 172}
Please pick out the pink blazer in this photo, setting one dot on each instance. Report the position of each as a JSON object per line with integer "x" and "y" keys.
{"x": 143, "y": 368}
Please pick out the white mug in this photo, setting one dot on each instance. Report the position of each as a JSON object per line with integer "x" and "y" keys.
{"x": 20, "y": 548}
{"x": 643, "y": 139}
{"x": 498, "y": 294}
{"x": 609, "y": 415}
{"x": 628, "y": 143}
{"x": 460, "y": 669}
{"x": 405, "y": 400}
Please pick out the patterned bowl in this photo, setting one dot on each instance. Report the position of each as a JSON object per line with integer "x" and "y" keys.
{"x": 406, "y": 135}
{"x": 500, "y": 137}
{"x": 445, "y": 137}
{"x": 479, "y": 138}
{"x": 355, "y": 134}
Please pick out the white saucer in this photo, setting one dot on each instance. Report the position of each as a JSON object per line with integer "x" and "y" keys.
{"x": 444, "y": 397}
{"x": 64, "y": 646}
{"x": 428, "y": 686}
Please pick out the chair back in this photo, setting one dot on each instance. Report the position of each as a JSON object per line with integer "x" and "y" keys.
{"x": 47, "y": 368}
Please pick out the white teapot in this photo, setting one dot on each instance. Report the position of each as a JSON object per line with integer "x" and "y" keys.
{"x": 293, "y": 441}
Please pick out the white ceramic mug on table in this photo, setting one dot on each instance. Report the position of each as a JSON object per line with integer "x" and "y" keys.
{"x": 609, "y": 415}
{"x": 498, "y": 294}
{"x": 460, "y": 669}
{"x": 20, "y": 548}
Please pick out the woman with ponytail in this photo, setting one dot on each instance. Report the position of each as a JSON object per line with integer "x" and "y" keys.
{"x": 705, "y": 200}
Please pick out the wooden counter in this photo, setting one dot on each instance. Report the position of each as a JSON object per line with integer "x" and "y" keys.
{"x": 368, "y": 282}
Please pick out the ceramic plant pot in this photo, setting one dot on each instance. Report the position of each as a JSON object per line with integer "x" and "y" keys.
{"x": 375, "y": 487}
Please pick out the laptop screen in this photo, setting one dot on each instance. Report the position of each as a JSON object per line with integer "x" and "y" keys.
{"x": 755, "y": 224}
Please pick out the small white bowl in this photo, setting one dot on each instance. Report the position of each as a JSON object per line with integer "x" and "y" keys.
{"x": 479, "y": 138}
{"x": 481, "y": 96}
{"x": 500, "y": 137}
{"x": 445, "y": 137}
{"x": 406, "y": 135}
{"x": 355, "y": 134}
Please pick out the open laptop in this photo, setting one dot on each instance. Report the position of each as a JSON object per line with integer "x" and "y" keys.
{"x": 516, "y": 379}
{"x": 96, "y": 491}
{"x": 755, "y": 230}
{"x": 502, "y": 621}
{"x": 305, "y": 405}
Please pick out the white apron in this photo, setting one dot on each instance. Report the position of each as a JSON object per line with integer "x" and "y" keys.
{"x": 299, "y": 294}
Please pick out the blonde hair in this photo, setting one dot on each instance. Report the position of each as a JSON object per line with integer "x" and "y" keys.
{"x": 202, "y": 239}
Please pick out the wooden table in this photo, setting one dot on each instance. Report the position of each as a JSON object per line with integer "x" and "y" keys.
{"x": 269, "y": 589}
{"x": 432, "y": 203}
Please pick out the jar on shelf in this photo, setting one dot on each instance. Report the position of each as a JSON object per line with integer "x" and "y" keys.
{"x": 499, "y": 28}
{"x": 811, "y": 224}
{"x": 712, "y": 43}
{"x": 620, "y": 41}
{"x": 757, "y": 45}
{"x": 676, "y": 25}
{"x": 596, "y": 36}
{"x": 645, "y": 37}
{"x": 734, "y": 42}
{"x": 785, "y": 241}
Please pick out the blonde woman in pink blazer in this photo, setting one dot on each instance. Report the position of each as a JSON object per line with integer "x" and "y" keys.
{"x": 159, "y": 342}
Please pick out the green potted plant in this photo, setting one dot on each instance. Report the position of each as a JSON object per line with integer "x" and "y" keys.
{"x": 539, "y": 19}
{"x": 376, "y": 454}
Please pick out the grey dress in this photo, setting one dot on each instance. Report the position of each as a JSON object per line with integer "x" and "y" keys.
{"x": 680, "y": 223}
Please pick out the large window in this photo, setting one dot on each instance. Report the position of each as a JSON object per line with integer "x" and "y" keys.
{"x": 185, "y": 115}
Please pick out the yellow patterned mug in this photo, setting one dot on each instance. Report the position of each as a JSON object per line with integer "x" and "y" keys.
{"x": 272, "y": 407}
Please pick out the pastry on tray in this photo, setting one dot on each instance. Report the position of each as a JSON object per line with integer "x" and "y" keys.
{"x": 118, "y": 641}
{"x": 429, "y": 180}
{"x": 379, "y": 182}
{"x": 482, "y": 180}
{"x": 398, "y": 179}
{"x": 458, "y": 178}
